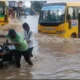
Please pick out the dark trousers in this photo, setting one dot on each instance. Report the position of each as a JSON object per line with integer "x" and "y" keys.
{"x": 30, "y": 51}
{"x": 26, "y": 55}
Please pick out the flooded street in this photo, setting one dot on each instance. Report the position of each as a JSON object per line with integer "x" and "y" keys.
{"x": 58, "y": 58}
{"x": 54, "y": 57}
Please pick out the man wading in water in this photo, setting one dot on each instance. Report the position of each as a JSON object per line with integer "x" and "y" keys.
{"x": 20, "y": 45}
{"x": 28, "y": 34}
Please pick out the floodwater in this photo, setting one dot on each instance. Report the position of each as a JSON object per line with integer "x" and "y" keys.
{"x": 54, "y": 58}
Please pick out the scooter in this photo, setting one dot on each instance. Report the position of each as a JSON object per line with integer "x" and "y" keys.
{"x": 6, "y": 54}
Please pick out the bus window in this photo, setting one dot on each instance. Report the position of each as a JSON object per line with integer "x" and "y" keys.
{"x": 79, "y": 14}
{"x": 75, "y": 13}
{"x": 72, "y": 13}
{"x": 1, "y": 11}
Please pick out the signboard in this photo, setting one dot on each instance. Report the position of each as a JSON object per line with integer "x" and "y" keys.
{"x": 74, "y": 23}
{"x": 11, "y": 3}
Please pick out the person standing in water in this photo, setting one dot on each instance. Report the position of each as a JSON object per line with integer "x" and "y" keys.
{"x": 28, "y": 34}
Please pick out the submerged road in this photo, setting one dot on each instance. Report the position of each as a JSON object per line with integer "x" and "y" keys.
{"x": 54, "y": 58}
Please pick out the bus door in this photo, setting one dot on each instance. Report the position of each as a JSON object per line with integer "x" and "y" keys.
{"x": 72, "y": 18}
{"x": 78, "y": 22}
{"x": 1, "y": 14}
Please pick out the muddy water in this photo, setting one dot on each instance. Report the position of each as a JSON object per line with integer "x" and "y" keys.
{"x": 54, "y": 58}
{"x": 59, "y": 58}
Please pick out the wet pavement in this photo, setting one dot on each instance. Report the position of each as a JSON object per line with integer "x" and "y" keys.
{"x": 32, "y": 21}
{"x": 54, "y": 57}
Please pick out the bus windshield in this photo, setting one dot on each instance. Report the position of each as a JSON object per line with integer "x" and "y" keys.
{"x": 53, "y": 14}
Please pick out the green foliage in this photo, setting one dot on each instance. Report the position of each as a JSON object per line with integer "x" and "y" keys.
{"x": 37, "y": 5}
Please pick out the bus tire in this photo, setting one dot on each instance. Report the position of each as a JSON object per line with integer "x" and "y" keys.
{"x": 73, "y": 35}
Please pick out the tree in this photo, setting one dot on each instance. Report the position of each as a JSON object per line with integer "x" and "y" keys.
{"x": 37, "y": 5}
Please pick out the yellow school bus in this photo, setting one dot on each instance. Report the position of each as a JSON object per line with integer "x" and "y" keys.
{"x": 62, "y": 19}
{"x": 3, "y": 13}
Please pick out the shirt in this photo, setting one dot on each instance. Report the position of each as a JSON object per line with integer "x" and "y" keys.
{"x": 29, "y": 36}
{"x": 20, "y": 39}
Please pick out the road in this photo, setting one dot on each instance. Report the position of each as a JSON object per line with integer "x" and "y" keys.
{"x": 54, "y": 57}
